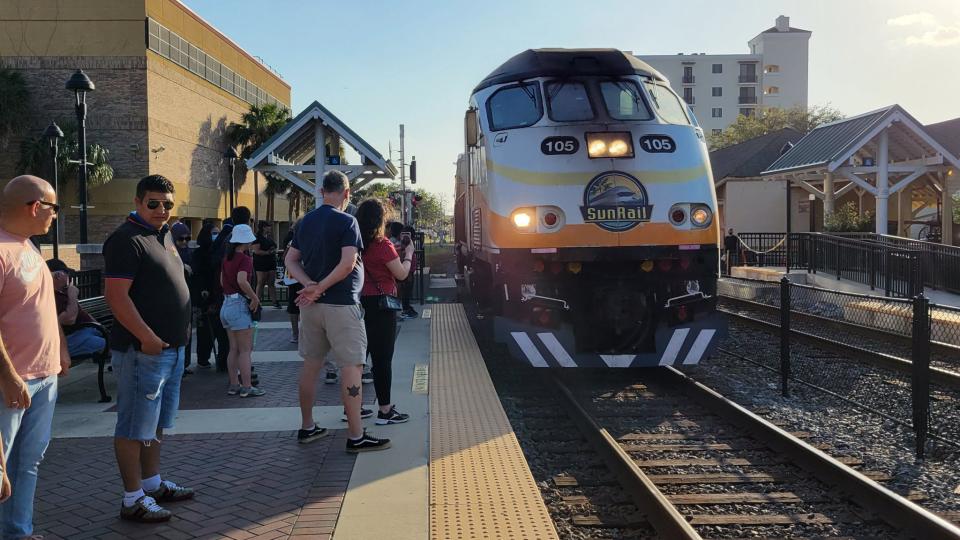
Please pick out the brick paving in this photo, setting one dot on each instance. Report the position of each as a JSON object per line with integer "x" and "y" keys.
{"x": 250, "y": 485}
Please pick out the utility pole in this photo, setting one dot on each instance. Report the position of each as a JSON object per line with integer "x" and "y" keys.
{"x": 403, "y": 182}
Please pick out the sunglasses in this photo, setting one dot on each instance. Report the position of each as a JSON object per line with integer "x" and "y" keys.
{"x": 167, "y": 205}
{"x": 55, "y": 206}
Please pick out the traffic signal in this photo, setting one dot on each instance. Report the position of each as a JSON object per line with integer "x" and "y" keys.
{"x": 413, "y": 170}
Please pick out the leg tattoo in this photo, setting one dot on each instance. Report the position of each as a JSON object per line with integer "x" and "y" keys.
{"x": 354, "y": 390}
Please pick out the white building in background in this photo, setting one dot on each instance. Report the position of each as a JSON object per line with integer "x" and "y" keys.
{"x": 721, "y": 86}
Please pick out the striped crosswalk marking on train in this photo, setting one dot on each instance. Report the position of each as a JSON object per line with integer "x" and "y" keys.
{"x": 673, "y": 348}
{"x": 700, "y": 345}
{"x": 556, "y": 349}
{"x": 529, "y": 349}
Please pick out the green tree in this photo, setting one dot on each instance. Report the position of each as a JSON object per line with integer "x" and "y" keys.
{"x": 429, "y": 210}
{"x": 257, "y": 126}
{"x": 848, "y": 219}
{"x": 35, "y": 158}
{"x": 14, "y": 106}
{"x": 768, "y": 120}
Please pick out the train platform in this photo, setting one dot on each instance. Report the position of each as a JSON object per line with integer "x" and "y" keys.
{"x": 827, "y": 281}
{"x": 455, "y": 470}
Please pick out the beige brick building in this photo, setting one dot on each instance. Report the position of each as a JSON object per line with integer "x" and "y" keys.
{"x": 167, "y": 86}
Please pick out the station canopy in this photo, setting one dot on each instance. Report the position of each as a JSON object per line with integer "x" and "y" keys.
{"x": 881, "y": 152}
{"x": 312, "y": 137}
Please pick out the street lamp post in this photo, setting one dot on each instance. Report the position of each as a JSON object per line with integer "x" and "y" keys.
{"x": 53, "y": 134}
{"x": 81, "y": 84}
{"x": 232, "y": 156}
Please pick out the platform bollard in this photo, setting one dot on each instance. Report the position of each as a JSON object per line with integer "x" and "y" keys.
{"x": 920, "y": 375}
{"x": 784, "y": 336}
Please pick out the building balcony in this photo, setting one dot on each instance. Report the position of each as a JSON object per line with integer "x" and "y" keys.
{"x": 747, "y": 100}
{"x": 745, "y": 79}
{"x": 689, "y": 79}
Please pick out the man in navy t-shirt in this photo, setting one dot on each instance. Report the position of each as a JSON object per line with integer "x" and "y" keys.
{"x": 324, "y": 257}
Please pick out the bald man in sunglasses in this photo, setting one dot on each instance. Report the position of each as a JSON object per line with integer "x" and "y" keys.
{"x": 148, "y": 294}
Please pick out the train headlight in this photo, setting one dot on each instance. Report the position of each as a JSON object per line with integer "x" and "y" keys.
{"x": 522, "y": 219}
{"x": 610, "y": 144}
{"x": 701, "y": 216}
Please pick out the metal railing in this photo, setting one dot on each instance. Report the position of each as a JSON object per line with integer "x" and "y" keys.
{"x": 89, "y": 283}
{"x": 895, "y": 270}
{"x": 690, "y": 100}
{"x": 940, "y": 262}
{"x": 747, "y": 78}
{"x": 689, "y": 79}
{"x": 915, "y": 319}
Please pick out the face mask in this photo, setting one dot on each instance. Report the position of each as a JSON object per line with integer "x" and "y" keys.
{"x": 213, "y": 236}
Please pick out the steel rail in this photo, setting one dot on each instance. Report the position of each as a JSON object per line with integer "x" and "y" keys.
{"x": 663, "y": 515}
{"x": 938, "y": 375}
{"x": 890, "y": 507}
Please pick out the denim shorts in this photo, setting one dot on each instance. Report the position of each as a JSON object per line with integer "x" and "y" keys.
{"x": 235, "y": 313}
{"x": 148, "y": 391}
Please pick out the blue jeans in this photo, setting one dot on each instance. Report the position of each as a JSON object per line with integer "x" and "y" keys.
{"x": 85, "y": 341}
{"x": 26, "y": 435}
{"x": 148, "y": 392}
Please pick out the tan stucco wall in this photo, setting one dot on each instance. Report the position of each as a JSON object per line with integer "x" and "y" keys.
{"x": 181, "y": 20}
{"x": 72, "y": 28}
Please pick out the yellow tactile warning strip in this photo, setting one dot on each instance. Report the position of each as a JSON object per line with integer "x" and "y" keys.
{"x": 480, "y": 484}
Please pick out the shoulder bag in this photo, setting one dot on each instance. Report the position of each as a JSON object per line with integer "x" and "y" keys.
{"x": 387, "y": 302}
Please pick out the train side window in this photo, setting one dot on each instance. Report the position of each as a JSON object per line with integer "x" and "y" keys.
{"x": 624, "y": 100}
{"x": 515, "y": 107}
{"x": 667, "y": 104}
{"x": 568, "y": 102}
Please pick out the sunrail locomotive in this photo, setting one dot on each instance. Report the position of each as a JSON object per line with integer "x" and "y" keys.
{"x": 585, "y": 213}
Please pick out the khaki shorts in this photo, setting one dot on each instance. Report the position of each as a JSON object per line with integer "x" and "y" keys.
{"x": 329, "y": 328}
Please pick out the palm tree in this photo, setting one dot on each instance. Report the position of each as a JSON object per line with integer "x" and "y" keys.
{"x": 14, "y": 106}
{"x": 35, "y": 156}
{"x": 256, "y": 126}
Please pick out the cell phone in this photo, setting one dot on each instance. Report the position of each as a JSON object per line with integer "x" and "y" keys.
{"x": 404, "y": 238}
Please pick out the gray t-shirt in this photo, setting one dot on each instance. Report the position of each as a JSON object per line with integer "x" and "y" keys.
{"x": 321, "y": 235}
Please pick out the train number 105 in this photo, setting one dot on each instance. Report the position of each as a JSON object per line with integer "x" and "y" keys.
{"x": 657, "y": 144}
{"x": 552, "y": 146}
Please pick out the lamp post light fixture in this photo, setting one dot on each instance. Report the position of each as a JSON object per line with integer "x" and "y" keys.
{"x": 813, "y": 212}
{"x": 81, "y": 84}
{"x": 53, "y": 134}
{"x": 232, "y": 156}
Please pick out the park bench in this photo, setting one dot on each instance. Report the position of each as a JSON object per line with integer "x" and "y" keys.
{"x": 98, "y": 309}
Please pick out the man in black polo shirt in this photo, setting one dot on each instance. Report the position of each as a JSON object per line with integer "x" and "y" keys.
{"x": 147, "y": 292}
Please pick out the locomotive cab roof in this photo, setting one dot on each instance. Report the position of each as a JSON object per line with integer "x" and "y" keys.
{"x": 562, "y": 63}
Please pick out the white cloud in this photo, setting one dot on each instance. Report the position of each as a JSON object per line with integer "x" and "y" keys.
{"x": 932, "y": 32}
{"x": 921, "y": 18}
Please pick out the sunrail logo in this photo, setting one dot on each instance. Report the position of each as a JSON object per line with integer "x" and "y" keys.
{"x": 615, "y": 201}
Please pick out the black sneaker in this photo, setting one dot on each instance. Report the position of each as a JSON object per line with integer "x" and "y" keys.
{"x": 391, "y": 417}
{"x": 146, "y": 510}
{"x": 170, "y": 492}
{"x": 366, "y": 443}
{"x": 364, "y": 413}
{"x": 331, "y": 377}
{"x": 305, "y": 436}
{"x": 366, "y": 377}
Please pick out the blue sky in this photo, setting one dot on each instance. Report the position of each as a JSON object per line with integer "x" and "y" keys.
{"x": 377, "y": 64}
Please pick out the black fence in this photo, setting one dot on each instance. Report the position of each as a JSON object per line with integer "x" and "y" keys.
{"x": 906, "y": 329}
{"x": 897, "y": 271}
{"x": 940, "y": 263}
{"x": 89, "y": 283}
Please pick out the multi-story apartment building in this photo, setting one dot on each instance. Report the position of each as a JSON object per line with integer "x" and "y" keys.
{"x": 167, "y": 86}
{"x": 719, "y": 87}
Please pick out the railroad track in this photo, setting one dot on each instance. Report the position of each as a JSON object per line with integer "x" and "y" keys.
{"x": 700, "y": 466}
{"x": 897, "y": 357}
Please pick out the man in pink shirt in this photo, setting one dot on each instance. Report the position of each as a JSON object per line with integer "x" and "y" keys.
{"x": 32, "y": 347}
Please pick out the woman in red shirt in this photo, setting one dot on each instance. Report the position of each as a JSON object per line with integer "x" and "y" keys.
{"x": 236, "y": 312}
{"x": 382, "y": 268}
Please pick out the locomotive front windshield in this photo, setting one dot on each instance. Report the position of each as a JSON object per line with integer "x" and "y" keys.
{"x": 584, "y": 100}
{"x": 624, "y": 101}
